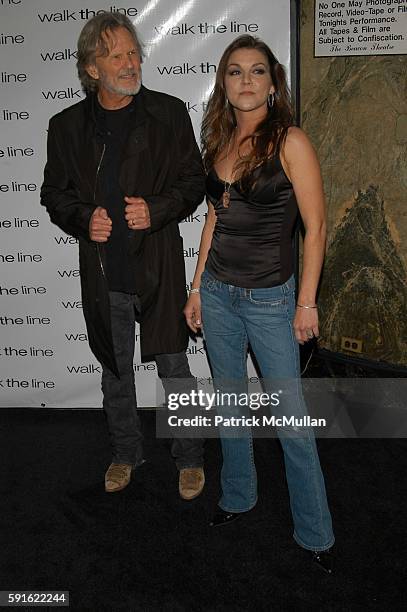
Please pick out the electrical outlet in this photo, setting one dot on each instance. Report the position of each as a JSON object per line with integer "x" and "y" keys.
{"x": 351, "y": 344}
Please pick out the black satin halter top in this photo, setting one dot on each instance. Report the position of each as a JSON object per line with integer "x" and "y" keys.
{"x": 252, "y": 243}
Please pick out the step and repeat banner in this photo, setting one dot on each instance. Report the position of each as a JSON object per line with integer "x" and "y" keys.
{"x": 44, "y": 355}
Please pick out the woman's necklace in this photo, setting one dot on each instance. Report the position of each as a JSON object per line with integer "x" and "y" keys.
{"x": 227, "y": 184}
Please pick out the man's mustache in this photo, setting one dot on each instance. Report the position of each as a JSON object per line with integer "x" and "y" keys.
{"x": 128, "y": 73}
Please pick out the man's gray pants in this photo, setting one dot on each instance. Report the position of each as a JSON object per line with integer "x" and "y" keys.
{"x": 119, "y": 394}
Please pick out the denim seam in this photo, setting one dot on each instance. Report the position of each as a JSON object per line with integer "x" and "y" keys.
{"x": 253, "y": 487}
{"x": 313, "y": 457}
{"x": 279, "y": 302}
{"x": 125, "y": 312}
{"x": 239, "y": 510}
{"x": 243, "y": 367}
{"x": 318, "y": 548}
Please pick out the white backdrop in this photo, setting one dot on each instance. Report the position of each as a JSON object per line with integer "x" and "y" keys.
{"x": 44, "y": 356}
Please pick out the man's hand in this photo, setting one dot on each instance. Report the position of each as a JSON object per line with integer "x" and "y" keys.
{"x": 137, "y": 214}
{"x": 100, "y": 225}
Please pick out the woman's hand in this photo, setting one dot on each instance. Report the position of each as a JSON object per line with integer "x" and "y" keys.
{"x": 192, "y": 312}
{"x": 306, "y": 324}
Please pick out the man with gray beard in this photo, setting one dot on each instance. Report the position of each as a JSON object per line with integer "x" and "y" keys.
{"x": 123, "y": 169}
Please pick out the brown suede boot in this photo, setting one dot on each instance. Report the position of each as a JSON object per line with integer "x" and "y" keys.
{"x": 191, "y": 482}
{"x": 117, "y": 477}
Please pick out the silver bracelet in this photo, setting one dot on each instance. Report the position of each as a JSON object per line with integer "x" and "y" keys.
{"x": 196, "y": 290}
{"x": 305, "y": 306}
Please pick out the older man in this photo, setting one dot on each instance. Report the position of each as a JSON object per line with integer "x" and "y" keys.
{"x": 123, "y": 169}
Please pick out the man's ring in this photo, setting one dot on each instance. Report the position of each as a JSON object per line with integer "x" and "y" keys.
{"x": 133, "y": 222}
{"x": 310, "y": 333}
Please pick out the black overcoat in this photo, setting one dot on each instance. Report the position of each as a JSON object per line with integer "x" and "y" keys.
{"x": 160, "y": 163}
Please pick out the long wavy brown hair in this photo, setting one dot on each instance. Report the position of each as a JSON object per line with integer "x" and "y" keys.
{"x": 219, "y": 119}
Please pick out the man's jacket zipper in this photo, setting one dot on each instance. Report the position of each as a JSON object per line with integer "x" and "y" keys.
{"x": 94, "y": 199}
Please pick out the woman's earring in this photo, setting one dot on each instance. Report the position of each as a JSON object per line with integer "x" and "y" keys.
{"x": 270, "y": 100}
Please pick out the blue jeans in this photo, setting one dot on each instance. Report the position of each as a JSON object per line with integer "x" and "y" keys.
{"x": 233, "y": 318}
{"x": 119, "y": 394}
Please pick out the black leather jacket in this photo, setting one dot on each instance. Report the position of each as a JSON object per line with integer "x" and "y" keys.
{"x": 161, "y": 163}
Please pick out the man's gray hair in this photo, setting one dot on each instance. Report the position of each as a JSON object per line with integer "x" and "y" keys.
{"x": 93, "y": 37}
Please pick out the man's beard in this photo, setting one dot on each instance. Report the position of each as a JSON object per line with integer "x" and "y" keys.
{"x": 130, "y": 90}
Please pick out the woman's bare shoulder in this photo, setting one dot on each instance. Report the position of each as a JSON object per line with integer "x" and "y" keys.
{"x": 297, "y": 144}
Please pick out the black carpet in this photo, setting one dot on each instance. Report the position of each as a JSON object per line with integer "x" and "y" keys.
{"x": 144, "y": 549}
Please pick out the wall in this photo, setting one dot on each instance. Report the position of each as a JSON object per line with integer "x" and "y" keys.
{"x": 44, "y": 356}
{"x": 355, "y": 111}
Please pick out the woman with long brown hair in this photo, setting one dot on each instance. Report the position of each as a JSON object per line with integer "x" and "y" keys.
{"x": 261, "y": 172}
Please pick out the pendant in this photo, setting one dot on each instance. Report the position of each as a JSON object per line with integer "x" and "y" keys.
{"x": 226, "y": 199}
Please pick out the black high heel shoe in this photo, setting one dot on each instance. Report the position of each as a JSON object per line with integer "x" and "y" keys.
{"x": 221, "y": 517}
{"x": 324, "y": 559}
